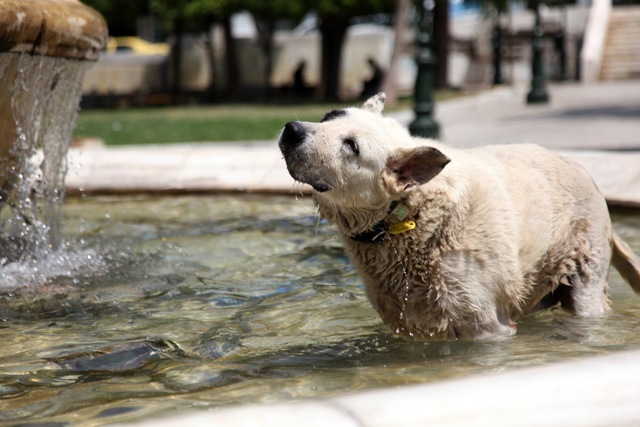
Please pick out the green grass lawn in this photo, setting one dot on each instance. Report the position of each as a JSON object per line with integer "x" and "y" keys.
{"x": 190, "y": 124}
{"x": 198, "y": 123}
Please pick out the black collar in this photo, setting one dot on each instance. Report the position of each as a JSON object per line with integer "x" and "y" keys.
{"x": 380, "y": 230}
{"x": 376, "y": 235}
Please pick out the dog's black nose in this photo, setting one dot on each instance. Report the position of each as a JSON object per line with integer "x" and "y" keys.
{"x": 292, "y": 135}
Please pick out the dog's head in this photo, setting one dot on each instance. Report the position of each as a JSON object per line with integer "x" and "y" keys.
{"x": 355, "y": 157}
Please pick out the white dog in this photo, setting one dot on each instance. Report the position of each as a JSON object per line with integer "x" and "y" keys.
{"x": 457, "y": 243}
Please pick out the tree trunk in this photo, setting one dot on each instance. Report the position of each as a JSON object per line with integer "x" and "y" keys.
{"x": 441, "y": 42}
{"x": 176, "y": 59}
{"x": 266, "y": 28}
{"x": 390, "y": 84}
{"x": 234, "y": 85}
{"x": 211, "y": 56}
{"x": 333, "y": 29}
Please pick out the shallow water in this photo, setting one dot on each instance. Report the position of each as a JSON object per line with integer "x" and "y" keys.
{"x": 160, "y": 304}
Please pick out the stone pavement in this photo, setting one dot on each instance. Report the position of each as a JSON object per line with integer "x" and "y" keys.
{"x": 597, "y": 125}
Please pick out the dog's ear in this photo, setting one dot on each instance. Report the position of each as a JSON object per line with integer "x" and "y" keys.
{"x": 375, "y": 104}
{"x": 408, "y": 168}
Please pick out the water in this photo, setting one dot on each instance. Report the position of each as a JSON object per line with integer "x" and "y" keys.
{"x": 202, "y": 302}
{"x": 38, "y": 109}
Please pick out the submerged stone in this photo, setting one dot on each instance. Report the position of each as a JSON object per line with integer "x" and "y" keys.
{"x": 120, "y": 357}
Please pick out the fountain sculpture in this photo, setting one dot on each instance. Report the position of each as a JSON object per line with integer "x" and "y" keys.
{"x": 45, "y": 46}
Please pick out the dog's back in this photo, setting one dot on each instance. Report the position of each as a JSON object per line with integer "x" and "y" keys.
{"x": 564, "y": 232}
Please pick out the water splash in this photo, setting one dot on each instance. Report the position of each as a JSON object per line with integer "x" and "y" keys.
{"x": 32, "y": 272}
{"x": 38, "y": 116}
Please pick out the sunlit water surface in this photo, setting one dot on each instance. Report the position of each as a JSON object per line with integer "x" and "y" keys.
{"x": 157, "y": 305}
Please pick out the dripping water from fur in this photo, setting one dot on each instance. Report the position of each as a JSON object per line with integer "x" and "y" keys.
{"x": 407, "y": 286}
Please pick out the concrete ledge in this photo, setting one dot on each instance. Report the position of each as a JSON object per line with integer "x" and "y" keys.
{"x": 595, "y": 392}
{"x": 616, "y": 173}
{"x": 258, "y": 167}
{"x": 582, "y": 123}
{"x": 215, "y": 167}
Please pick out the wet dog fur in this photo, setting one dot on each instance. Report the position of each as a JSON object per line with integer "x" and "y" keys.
{"x": 500, "y": 231}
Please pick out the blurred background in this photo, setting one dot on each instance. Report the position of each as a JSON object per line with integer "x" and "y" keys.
{"x": 292, "y": 52}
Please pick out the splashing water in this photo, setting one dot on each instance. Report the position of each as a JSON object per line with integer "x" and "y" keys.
{"x": 38, "y": 116}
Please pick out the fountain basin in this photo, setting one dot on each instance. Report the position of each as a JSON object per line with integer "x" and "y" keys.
{"x": 182, "y": 303}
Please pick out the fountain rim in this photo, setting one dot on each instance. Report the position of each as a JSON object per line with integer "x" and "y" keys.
{"x": 57, "y": 28}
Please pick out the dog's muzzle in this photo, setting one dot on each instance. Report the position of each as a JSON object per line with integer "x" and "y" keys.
{"x": 293, "y": 136}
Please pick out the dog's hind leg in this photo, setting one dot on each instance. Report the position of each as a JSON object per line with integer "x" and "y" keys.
{"x": 588, "y": 283}
{"x": 589, "y": 296}
{"x": 582, "y": 272}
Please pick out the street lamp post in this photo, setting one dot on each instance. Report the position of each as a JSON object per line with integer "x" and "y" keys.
{"x": 496, "y": 44}
{"x": 538, "y": 93}
{"x": 424, "y": 124}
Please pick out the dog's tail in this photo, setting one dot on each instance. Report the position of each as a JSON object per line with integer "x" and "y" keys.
{"x": 626, "y": 262}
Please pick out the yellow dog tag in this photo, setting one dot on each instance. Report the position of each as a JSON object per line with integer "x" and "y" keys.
{"x": 401, "y": 227}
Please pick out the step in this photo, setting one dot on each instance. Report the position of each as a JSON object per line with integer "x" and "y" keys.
{"x": 620, "y": 76}
{"x": 626, "y": 62}
{"x": 611, "y": 47}
{"x": 622, "y": 66}
{"x": 621, "y": 53}
{"x": 624, "y": 49}
{"x": 624, "y": 33}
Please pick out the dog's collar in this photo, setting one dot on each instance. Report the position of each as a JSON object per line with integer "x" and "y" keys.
{"x": 393, "y": 223}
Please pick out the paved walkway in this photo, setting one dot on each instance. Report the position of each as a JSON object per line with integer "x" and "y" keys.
{"x": 597, "y": 125}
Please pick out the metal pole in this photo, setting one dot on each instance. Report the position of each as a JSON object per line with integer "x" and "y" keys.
{"x": 562, "y": 45}
{"x": 538, "y": 93}
{"x": 496, "y": 43}
{"x": 561, "y": 50}
{"x": 424, "y": 125}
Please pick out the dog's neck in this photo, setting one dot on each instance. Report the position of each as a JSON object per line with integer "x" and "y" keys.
{"x": 372, "y": 225}
{"x": 394, "y": 222}
{"x": 427, "y": 208}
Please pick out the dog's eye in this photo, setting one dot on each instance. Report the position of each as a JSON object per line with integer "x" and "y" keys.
{"x": 352, "y": 144}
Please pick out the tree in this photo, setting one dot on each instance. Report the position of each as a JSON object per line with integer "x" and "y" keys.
{"x": 221, "y": 11}
{"x": 441, "y": 42}
{"x": 401, "y": 23}
{"x": 266, "y": 15}
{"x": 173, "y": 14}
{"x": 200, "y": 14}
{"x": 335, "y": 17}
{"x": 120, "y": 14}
